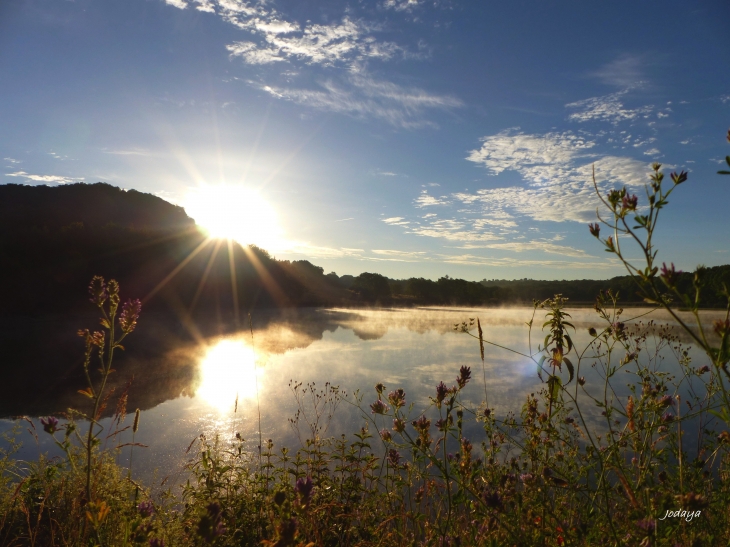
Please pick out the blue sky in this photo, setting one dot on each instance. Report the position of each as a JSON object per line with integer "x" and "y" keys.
{"x": 405, "y": 137}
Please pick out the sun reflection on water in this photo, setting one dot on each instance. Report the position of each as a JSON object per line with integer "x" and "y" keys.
{"x": 228, "y": 372}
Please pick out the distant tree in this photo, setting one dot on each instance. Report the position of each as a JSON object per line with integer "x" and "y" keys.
{"x": 372, "y": 286}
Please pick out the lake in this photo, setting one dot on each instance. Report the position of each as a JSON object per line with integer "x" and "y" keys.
{"x": 213, "y": 378}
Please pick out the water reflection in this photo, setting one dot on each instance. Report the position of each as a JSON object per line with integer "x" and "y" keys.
{"x": 187, "y": 387}
{"x": 228, "y": 374}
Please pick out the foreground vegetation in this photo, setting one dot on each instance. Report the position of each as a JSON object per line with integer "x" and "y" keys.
{"x": 651, "y": 469}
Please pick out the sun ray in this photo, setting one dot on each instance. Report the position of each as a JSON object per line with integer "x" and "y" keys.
{"x": 270, "y": 284}
{"x": 177, "y": 269}
{"x": 234, "y": 281}
{"x": 204, "y": 277}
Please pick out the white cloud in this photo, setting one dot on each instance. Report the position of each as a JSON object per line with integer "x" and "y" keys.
{"x": 396, "y": 221}
{"x": 179, "y": 4}
{"x": 608, "y": 108}
{"x": 401, "y": 5}
{"x": 54, "y": 179}
{"x": 12, "y": 160}
{"x": 623, "y": 72}
{"x": 251, "y": 53}
{"x": 725, "y": 99}
{"x": 507, "y": 150}
{"x": 363, "y": 96}
{"x": 652, "y": 152}
{"x": 426, "y": 200}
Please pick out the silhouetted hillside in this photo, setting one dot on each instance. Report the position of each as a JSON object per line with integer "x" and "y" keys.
{"x": 53, "y": 240}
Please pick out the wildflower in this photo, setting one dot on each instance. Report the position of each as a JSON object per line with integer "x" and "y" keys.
{"x": 721, "y": 328}
{"x": 287, "y": 531}
{"x": 527, "y": 478}
{"x": 421, "y": 424}
{"x": 630, "y": 414}
{"x": 379, "y": 407}
{"x": 157, "y": 542}
{"x": 619, "y": 330}
{"x": 464, "y": 376}
{"x": 609, "y": 244}
{"x": 665, "y": 401}
{"x": 703, "y": 369}
{"x": 304, "y": 488}
{"x": 592, "y": 331}
{"x": 629, "y": 203}
{"x": 379, "y": 388}
{"x": 130, "y": 313}
{"x": 393, "y": 457}
{"x": 397, "y": 398}
{"x": 146, "y": 509}
{"x": 385, "y": 435}
{"x": 648, "y": 525}
{"x": 50, "y": 424}
{"x": 679, "y": 179}
{"x": 399, "y": 425}
{"x": 614, "y": 196}
{"x": 669, "y": 275}
{"x": 442, "y": 424}
{"x": 210, "y": 525}
{"x": 595, "y": 229}
{"x": 97, "y": 290}
{"x": 441, "y": 392}
{"x": 569, "y": 420}
{"x": 493, "y": 499}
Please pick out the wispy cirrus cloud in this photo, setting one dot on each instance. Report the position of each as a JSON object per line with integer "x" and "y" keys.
{"x": 53, "y": 179}
{"x": 475, "y": 260}
{"x": 608, "y": 108}
{"x": 362, "y": 96}
{"x": 626, "y": 71}
{"x": 278, "y": 39}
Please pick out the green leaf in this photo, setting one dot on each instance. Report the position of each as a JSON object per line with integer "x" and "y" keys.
{"x": 723, "y": 172}
{"x": 554, "y": 384}
{"x": 571, "y": 370}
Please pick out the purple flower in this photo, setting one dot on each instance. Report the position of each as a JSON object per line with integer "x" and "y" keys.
{"x": 703, "y": 369}
{"x": 211, "y": 525}
{"x": 393, "y": 457}
{"x": 629, "y": 202}
{"x": 667, "y": 417}
{"x": 670, "y": 276}
{"x": 464, "y": 376}
{"x": 130, "y": 313}
{"x": 379, "y": 407}
{"x": 527, "y": 478}
{"x": 97, "y": 290}
{"x": 304, "y": 488}
{"x": 441, "y": 392}
{"x": 50, "y": 424}
{"x": 397, "y": 398}
{"x": 665, "y": 401}
{"x": 146, "y": 509}
{"x": 595, "y": 229}
{"x": 679, "y": 179}
{"x": 385, "y": 435}
{"x": 399, "y": 425}
{"x": 421, "y": 424}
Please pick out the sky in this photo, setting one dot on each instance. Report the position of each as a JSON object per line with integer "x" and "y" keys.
{"x": 410, "y": 138}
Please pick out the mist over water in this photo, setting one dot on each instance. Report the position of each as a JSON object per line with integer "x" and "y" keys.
{"x": 212, "y": 379}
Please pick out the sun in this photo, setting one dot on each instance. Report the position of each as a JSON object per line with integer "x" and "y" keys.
{"x": 235, "y": 212}
{"x": 228, "y": 373}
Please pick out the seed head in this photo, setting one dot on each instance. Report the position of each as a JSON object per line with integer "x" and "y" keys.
{"x": 130, "y": 313}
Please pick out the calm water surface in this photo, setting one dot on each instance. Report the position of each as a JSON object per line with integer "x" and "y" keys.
{"x": 188, "y": 381}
